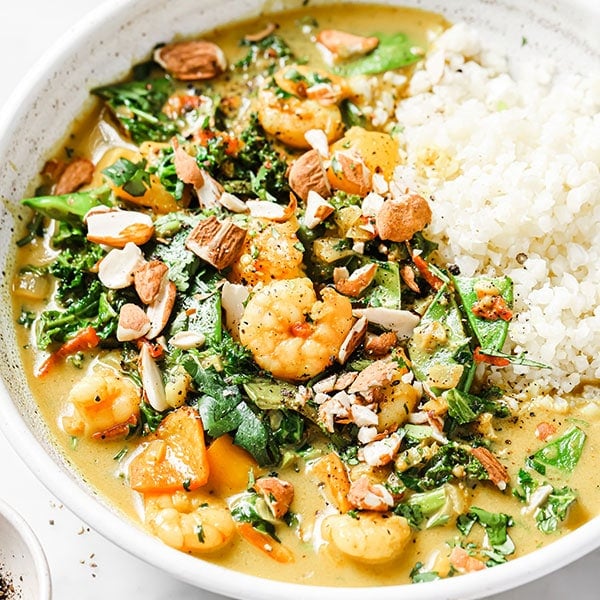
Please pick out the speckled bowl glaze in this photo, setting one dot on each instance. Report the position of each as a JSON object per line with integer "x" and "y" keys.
{"x": 22, "y": 559}
{"x": 100, "y": 50}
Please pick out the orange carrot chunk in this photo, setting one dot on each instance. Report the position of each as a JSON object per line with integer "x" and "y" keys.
{"x": 86, "y": 339}
{"x": 265, "y": 543}
{"x": 175, "y": 458}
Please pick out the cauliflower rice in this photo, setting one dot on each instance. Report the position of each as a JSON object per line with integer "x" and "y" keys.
{"x": 510, "y": 154}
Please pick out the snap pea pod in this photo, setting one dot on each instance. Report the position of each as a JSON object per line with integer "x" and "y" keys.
{"x": 490, "y": 334}
{"x": 69, "y": 207}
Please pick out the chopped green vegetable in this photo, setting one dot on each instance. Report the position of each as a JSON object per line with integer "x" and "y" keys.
{"x": 131, "y": 177}
{"x": 562, "y": 453}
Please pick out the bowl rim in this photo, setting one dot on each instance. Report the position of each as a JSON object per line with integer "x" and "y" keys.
{"x": 204, "y": 574}
{"x": 33, "y": 544}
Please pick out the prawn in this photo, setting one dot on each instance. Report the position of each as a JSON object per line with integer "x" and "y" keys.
{"x": 292, "y": 334}
{"x": 103, "y": 405}
{"x": 269, "y": 252}
{"x": 288, "y": 119}
{"x": 370, "y": 538}
{"x": 192, "y": 522}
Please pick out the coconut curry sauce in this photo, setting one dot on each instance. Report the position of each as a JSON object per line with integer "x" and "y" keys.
{"x": 240, "y": 335}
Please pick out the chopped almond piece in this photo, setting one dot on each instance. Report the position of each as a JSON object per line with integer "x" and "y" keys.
{"x": 116, "y": 269}
{"x": 378, "y": 373}
{"x": 317, "y": 210}
{"x": 306, "y": 174}
{"x": 380, "y": 345}
{"x": 148, "y": 278}
{"x": 349, "y": 173}
{"x": 218, "y": 243}
{"x": 369, "y": 496}
{"x": 160, "y": 310}
{"x": 353, "y": 339}
{"x": 399, "y": 219}
{"x": 264, "y": 209}
{"x": 277, "y": 493}
{"x": 358, "y": 282}
{"x": 152, "y": 383}
{"x": 186, "y": 167}
{"x": 188, "y": 61}
{"x": 494, "y": 468}
{"x": 118, "y": 227}
{"x": 133, "y": 323}
{"x": 346, "y": 45}
{"x": 77, "y": 173}
{"x": 408, "y": 276}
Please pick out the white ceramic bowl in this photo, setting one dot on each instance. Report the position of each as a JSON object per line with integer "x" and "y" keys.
{"x": 22, "y": 560}
{"x": 101, "y": 50}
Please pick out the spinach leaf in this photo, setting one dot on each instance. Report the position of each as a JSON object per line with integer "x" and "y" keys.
{"x": 563, "y": 453}
{"x": 131, "y": 177}
{"x": 393, "y": 52}
{"x": 418, "y": 574}
{"x": 495, "y": 524}
{"x": 385, "y": 288}
{"x": 166, "y": 173}
{"x": 460, "y": 406}
{"x": 137, "y": 105}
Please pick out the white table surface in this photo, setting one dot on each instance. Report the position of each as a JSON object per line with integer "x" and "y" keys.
{"x": 85, "y": 566}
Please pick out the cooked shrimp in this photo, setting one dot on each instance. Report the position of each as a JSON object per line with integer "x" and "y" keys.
{"x": 288, "y": 119}
{"x": 270, "y": 252}
{"x": 193, "y": 522}
{"x": 369, "y": 538}
{"x": 103, "y": 405}
{"x": 291, "y": 333}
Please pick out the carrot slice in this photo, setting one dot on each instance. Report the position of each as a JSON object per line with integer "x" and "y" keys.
{"x": 496, "y": 361}
{"x": 176, "y": 457}
{"x": 265, "y": 543}
{"x": 229, "y": 467}
{"x": 433, "y": 280}
{"x": 330, "y": 471}
{"x": 86, "y": 339}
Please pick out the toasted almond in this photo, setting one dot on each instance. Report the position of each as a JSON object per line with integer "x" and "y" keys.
{"x": 116, "y": 269}
{"x": 148, "y": 278}
{"x": 133, "y": 323}
{"x": 377, "y": 374}
{"x": 371, "y": 204}
{"x": 496, "y": 471}
{"x": 187, "y": 61}
{"x": 152, "y": 382}
{"x": 77, "y": 173}
{"x": 358, "y": 282}
{"x": 186, "y": 167}
{"x": 118, "y": 227}
{"x": 186, "y": 340}
{"x": 346, "y": 45}
{"x": 317, "y": 210}
{"x": 399, "y": 219}
{"x": 353, "y": 339}
{"x": 264, "y": 209}
{"x": 380, "y": 345}
{"x": 402, "y": 322}
{"x": 409, "y": 278}
{"x": 307, "y": 174}
{"x": 160, "y": 310}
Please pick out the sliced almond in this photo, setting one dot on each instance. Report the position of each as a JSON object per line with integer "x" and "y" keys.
{"x": 209, "y": 194}
{"x": 317, "y": 210}
{"x": 233, "y": 297}
{"x": 346, "y": 45}
{"x": 116, "y": 269}
{"x": 353, "y": 340}
{"x": 496, "y": 471}
{"x": 358, "y": 282}
{"x": 186, "y": 340}
{"x": 160, "y": 310}
{"x": 133, "y": 323}
{"x": 187, "y": 61}
{"x": 116, "y": 228}
{"x": 77, "y": 173}
{"x": 377, "y": 374}
{"x": 218, "y": 243}
{"x": 399, "y": 219}
{"x": 152, "y": 383}
{"x": 380, "y": 345}
{"x": 233, "y": 203}
{"x": 148, "y": 278}
{"x": 402, "y": 322}
{"x": 264, "y": 209}
{"x": 371, "y": 204}
{"x": 308, "y": 174}
{"x": 277, "y": 493}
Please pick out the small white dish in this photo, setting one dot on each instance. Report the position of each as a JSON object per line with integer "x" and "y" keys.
{"x": 23, "y": 564}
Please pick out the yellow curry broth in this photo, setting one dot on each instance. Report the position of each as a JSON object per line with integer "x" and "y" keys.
{"x": 103, "y": 464}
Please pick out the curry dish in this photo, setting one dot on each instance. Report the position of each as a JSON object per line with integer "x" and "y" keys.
{"x": 242, "y": 335}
